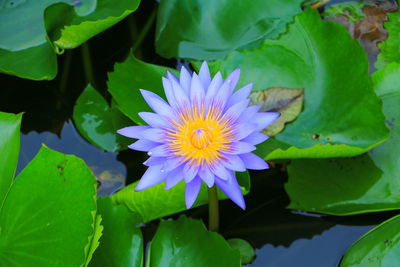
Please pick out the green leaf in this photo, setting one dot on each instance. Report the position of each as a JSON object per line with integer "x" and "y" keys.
{"x": 390, "y": 47}
{"x": 98, "y": 122}
{"x": 126, "y": 80}
{"x": 122, "y": 241}
{"x": 37, "y": 63}
{"x": 186, "y": 242}
{"x": 352, "y": 10}
{"x": 26, "y": 52}
{"x": 367, "y": 183}
{"x": 9, "y": 147}
{"x": 94, "y": 244}
{"x": 329, "y": 76}
{"x": 156, "y": 202}
{"x": 208, "y": 29}
{"x": 378, "y": 247}
{"x": 48, "y": 216}
{"x": 288, "y": 102}
{"x": 246, "y": 251}
{"x": 69, "y": 27}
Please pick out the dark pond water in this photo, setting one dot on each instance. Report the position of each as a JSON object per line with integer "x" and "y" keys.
{"x": 281, "y": 237}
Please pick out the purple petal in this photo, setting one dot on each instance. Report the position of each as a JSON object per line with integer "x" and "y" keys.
{"x": 196, "y": 90}
{"x": 143, "y": 145}
{"x": 157, "y": 103}
{"x": 243, "y": 130}
{"x": 240, "y": 148}
{"x": 248, "y": 114}
{"x": 234, "y": 163}
{"x": 232, "y": 189}
{"x": 159, "y": 151}
{"x": 255, "y": 138}
{"x": 204, "y": 75}
{"x": 253, "y": 162}
{"x": 172, "y": 163}
{"x": 133, "y": 131}
{"x": 192, "y": 190}
{"x": 181, "y": 97}
{"x": 185, "y": 79}
{"x": 223, "y": 94}
{"x": 264, "y": 119}
{"x": 234, "y": 78}
{"x": 206, "y": 175}
{"x": 220, "y": 171}
{"x": 173, "y": 178}
{"x": 151, "y": 177}
{"x": 234, "y": 112}
{"x": 190, "y": 171}
{"x": 154, "y": 120}
{"x": 172, "y": 77}
{"x": 214, "y": 86}
{"x": 169, "y": 92}
{"x": 154, "y": 134}
{"x": 154, "y": 161}
{"x": 240, "y": 94}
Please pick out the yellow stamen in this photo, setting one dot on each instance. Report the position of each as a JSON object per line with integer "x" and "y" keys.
{"x": 200, "y": 136}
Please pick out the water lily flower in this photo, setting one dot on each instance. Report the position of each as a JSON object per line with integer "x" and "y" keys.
{"x": 204, "y": 133}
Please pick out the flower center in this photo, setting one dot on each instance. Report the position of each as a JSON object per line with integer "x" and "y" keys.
{"x": 201, "y": 138}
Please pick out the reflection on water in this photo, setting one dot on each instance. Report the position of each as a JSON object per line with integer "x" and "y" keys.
{"x": 324, "y": 250}
{"x": 108, "y": 170}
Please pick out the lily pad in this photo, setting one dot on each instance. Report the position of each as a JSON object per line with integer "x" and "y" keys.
{"x": 121, "y": 243}
{"x": 156, "y": 202}
{"x": 351, "y": 10}
{"x": 186, "y": 242}
{"x": 126, "y": 80}
{"x": 38, "y": 219}
{"x": 329, "y": 76}
{"x": 247, "y": 252}
{"x": 208, "y": 29}
{"x": 378, "y": 247}
{"x": 98, "y": 122}
{"x": 25, "y": 44}
{"x": 390, "y": 51}
{"x": 9, "y": 147}
{"x": 367, "y": 183}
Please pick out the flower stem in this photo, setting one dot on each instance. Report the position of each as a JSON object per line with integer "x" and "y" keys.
{"x": 319, "y": 4}
{"x": 87, "y": 63}
{"x": 213, "y": 213}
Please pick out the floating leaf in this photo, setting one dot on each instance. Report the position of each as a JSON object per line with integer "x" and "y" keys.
{"x": 288, "y": 102}
{"x": 39, "y": 217}
{"x": 94, "y": 244}
{"x": 390, "y": 48}
{"x": 26, "y": 52}
{"x": 126, "y": 80}
{"x": 367, "y": 183}
{"x": 156, "y": 202}
{"x": 378, "y": 247}
{"x": 186, "y": 242}
{"x": 329, "y": 76}
{"x": 246, "y": 251}
{"x": 98, "y": 122}
{"x": 208, "y": 29}
{"x": 9, "y": 147}
{"x": 122, "y": 241}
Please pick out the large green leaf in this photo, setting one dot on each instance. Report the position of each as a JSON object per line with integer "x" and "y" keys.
{"x": 208, "y": 29}
{"x": 121, "y": 243}
{"x": 68, "y": 28}
{"x": 24, "y": 47}
{"x": 380, "y": 247}
{"x": 390, "y": 51}
{"x": 48, "y": 216}
{"x": 98, "y": 122}
{"x": 156, "y": 202}
{"x": 366, "y": 183}
{"x": 186, "y": 242}
{"x": 9, "y": 148}
{"x": 126, "y": 80}
{"x": 342, "y": 115}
